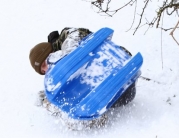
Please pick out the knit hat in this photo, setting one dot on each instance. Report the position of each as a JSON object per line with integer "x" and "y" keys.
{"x": 38, "y": 54}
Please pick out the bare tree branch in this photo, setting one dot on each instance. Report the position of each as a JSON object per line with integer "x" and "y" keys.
{"x": 169, "y": 7}
{"x": 99, "y": 4}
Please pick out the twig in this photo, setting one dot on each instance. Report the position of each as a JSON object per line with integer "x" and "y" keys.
{"x": 148, "y": 79}
{"x": 167, "y": 28}
{"x": 121, "y": 7}
{"x": 171, "y": 33}
{"x": 99, "y": 3}
{"x": 133, "y": 17}
{"x": 161, "y": 43}
{"x": 141, "y": 16}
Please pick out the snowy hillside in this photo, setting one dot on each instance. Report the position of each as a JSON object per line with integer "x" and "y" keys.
{"x": 154, "y": 113}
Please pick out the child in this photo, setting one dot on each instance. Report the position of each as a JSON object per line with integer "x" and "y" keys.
{"x": 59, "y": 45}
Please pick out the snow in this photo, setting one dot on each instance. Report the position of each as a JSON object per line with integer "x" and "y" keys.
{"x": 99, "y": 67}
{"x": 153, "y": 113}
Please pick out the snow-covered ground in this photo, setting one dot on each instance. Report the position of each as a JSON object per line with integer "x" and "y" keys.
{"x": 154, "y": 113}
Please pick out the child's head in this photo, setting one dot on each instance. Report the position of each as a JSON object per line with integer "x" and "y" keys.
{"x": 38, "y": 55}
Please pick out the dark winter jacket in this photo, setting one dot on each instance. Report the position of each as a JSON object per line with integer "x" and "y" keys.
{"x": 57, "y": 39}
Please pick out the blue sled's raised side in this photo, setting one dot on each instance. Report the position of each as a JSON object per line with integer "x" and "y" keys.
{"x": 87, "y": 82}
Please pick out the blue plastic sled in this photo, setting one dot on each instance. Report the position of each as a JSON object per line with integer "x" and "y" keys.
{"x": 87, "y": 82}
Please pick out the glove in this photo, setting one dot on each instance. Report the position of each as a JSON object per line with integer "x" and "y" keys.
{"x": 53, "y": 36}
